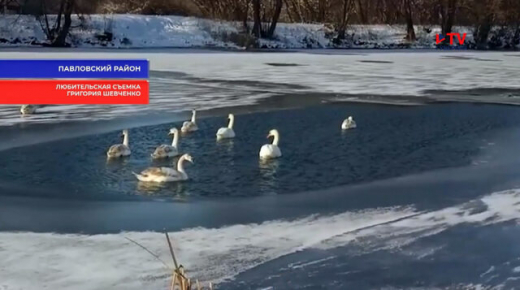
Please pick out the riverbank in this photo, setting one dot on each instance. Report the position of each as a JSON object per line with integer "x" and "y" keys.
{"x": 145, "y": 31}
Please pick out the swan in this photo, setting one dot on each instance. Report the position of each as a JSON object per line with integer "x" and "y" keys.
{"x": 271, "y": 150}
{"x": 165, "y": 174}
{"x": 348, "y": 123}
{"x": 190, "y": 126}
{"x": 166, "y": 150}
{"x": 28, "y": 109}
{"x": 227, "y": 132}
{"x": 119, "y": 150}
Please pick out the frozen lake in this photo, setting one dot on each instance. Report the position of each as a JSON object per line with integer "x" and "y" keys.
{"x": 422, "y": 195}
{"x": 185, "y": 79}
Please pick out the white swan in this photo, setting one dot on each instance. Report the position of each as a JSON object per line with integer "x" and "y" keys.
{"x": 227, "y": 132}
{"x": 165, "y": 174}
{"x": 119, "y": 150}
{"x": 190, "y": 126}
{"x": 271, "y": 150}
{"x": 28, "y": 109}
{"x": 348, "y": 123}
{"x": 166, "y": 150}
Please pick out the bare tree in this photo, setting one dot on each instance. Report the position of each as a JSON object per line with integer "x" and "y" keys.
{"x": 346, "y": 10}
{"x": 294, "y": 11}
{"x": 391, "y": 11}
{"x": 274, "y": 19}
{"x": 265, "y": 17}
{"x": 447, "y": 9}
{"x": 322, "y": 10}
{"x": 485, "y": 13}
{"x": 410, "y": 31}
{"x": 257, "y": 26}
{"x": 54, "y": 30}
{"x": 235, "y": 10}
{"x": 511, "y": 17}
{"x": 261, "y": 17}
{"x": 66, "y": 9}
{"x": 361, "y": 9}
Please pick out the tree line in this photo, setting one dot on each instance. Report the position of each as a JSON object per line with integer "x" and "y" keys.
{"x": 483, "y": 15}
{"x": 260, "y": 17}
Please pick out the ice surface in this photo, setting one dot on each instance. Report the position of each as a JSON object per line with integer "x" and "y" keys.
{"x": 110, "y": 261}
{"x": 184, "y": 80}
{"x": 82, "y": 262}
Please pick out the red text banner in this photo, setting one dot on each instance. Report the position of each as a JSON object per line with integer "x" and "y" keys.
{"x": 67, "y": 92}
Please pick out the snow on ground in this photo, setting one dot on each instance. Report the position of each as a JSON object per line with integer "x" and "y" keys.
{"x": 144, "y": 31}
{"x": 129, "y": 31}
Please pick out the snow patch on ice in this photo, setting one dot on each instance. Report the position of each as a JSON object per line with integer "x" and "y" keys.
{"x": 110, "y": 261}
{"x": 491, "y": 209}
{"x": 184, "y": 80}
{"x": 96, "y": 262}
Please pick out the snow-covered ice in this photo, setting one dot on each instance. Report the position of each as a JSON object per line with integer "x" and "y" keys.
{"x": 182, "y": 80}
{"x": 212, "y": 254}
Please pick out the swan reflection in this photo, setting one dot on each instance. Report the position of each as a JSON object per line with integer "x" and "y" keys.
{"x": 226, "y": 144}
{"x": 268, "y": 169}
{"x": 149, "y": 187}
{"x": 175, "y": 190}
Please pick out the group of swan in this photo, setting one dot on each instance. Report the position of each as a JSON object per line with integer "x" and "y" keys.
{"x": 167, "y": 174}
{"x": 155, "y": 174}
{"x": 267, "y": 151}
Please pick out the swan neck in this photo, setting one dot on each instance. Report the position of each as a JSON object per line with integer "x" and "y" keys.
{"x": 193, "y": 115}
{"x": 175, "y": 139}
{"x": 180, "y": 165}
{"x": 125, "y": 140}
{"x": 231, "y": 121}
{"x": 276, "y": 138}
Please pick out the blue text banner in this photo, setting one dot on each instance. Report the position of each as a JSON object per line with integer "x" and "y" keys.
{"x": 73, "y": 69}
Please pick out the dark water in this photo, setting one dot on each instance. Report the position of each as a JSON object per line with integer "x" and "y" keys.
{"x": 389, "y": 142}
{"x": 463, "y": 257}
{"x": 439, "y": 160}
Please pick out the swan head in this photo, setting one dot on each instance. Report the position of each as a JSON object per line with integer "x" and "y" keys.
{"x": 349, "y": 118}
{"x": 124, "y": 133}
{"x": 188, "y": 157}
{"x": 230, "y": 116}
{"x": 173, "y": 131}
{"x": 272, "y": 133}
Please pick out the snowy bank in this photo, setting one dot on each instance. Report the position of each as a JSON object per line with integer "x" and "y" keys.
{"x": 141, "y": 31}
